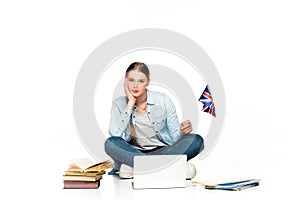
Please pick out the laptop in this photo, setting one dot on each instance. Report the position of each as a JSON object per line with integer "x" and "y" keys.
{"x": 159, "y": 171}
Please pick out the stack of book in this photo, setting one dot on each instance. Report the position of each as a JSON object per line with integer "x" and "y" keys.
{"x": 85, "y": 174}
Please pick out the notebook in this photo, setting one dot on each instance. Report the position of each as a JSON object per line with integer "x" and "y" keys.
{"x": 159, "y": 171}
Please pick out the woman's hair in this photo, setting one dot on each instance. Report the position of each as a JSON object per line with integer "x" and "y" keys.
{"x": 139, "y": 66}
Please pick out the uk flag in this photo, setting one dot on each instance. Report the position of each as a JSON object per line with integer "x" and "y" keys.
{"x": 208, "y": 102}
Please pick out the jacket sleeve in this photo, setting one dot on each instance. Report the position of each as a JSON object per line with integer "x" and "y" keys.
{"x": 119, "y": 118}
{"x": 172, "y": 120}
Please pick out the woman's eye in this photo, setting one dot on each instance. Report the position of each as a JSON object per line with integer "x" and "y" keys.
{"x": 141, "y": 81}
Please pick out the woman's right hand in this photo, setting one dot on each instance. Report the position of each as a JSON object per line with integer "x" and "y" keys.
{"x": 131, "y": 98}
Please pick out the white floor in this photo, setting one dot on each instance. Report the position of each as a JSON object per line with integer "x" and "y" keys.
{"x": 114, "y": 188}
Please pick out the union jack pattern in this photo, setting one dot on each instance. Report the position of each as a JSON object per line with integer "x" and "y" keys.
{"x": 207, "y": 100}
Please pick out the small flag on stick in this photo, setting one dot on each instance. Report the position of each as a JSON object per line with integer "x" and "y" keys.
{"x": 207, "y": 100}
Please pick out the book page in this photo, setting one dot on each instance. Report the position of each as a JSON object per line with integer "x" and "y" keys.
{"x": 83, "y": 163}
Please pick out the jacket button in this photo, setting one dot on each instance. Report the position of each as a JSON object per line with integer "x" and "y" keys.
{"x": 148, "y": 112}
{"x": 153, "y": 122}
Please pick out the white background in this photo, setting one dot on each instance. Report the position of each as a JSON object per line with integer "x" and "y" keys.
{"x": 255, "y": 46}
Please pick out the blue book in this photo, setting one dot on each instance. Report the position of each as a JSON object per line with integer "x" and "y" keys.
{"x": 235, "y": 186}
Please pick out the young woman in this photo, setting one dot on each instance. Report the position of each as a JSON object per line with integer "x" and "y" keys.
{"x": 145, "y": 122}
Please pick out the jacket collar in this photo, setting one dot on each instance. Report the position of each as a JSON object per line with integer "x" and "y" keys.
{"x": 150, "y": 98}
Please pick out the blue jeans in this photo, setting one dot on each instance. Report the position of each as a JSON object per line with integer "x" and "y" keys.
{"x": 122, "y": 152}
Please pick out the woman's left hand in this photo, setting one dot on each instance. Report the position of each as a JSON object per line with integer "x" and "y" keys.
{"x": 186, "y": 127}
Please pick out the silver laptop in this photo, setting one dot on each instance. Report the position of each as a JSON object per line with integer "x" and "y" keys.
{"x": 159, "y": 171}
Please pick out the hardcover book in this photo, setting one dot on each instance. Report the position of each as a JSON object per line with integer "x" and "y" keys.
{"x": 81, "y": 184}
{"x": 81, "y": 178}
{"x": 74, "y": 173}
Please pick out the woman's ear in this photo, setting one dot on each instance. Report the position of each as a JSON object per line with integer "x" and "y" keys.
{"x": 149, "y": 80}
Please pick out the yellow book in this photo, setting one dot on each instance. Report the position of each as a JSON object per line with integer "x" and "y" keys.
{"x": 74, "y": 173}
{"x": 82, "y": 178}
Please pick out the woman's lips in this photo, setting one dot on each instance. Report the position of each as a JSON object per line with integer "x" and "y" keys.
{"x": 135, "y": 91}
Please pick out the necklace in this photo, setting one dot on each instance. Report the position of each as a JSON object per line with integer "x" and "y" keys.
{"x": 144, "y": 103}
{"x": 143, "y": 108}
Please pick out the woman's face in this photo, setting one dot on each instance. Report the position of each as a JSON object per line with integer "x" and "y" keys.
{"x": 137, "y": 82}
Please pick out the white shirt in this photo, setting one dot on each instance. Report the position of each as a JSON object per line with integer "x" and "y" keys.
{"x": 146, "y": 138}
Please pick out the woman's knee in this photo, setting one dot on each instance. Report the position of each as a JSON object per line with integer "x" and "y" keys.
{"x": 195, "y": 138}
{"x": 198, "y": 141}
{"x": 111, "y": 143}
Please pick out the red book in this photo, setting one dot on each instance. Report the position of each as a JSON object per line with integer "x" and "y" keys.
{"x": 81, "y": 184}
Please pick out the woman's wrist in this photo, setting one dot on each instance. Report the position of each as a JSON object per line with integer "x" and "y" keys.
{"x": 130, "y": 105}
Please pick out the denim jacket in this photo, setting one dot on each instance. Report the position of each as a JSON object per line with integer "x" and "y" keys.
{"x": 161, "y": 112}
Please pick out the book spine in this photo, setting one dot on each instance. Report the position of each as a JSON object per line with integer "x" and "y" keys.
{"x": 81, "y": 178}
